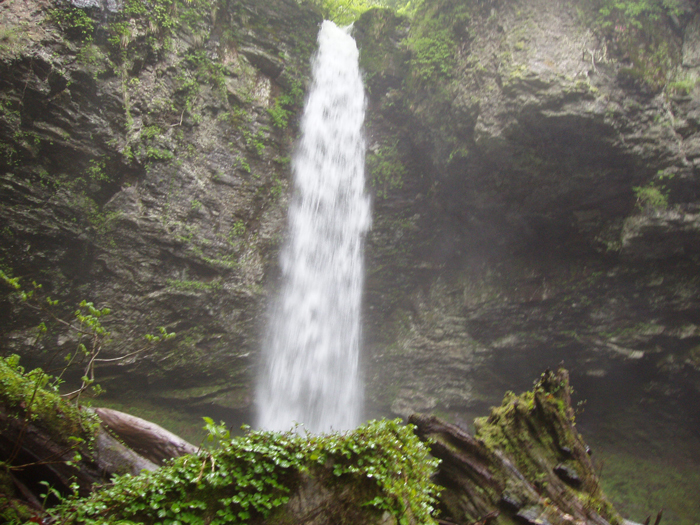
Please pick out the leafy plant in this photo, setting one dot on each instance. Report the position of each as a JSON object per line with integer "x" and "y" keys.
{"x": 635, "y": 12}
{"x": 250, "y": 477}
{"x": 75, "y": 22}
{"x": 85, "y": 328}
{"x": 96, "y": 170}
{"x": 216, "y": 434}
{"x": 238, "y": 228}
{"x": 33, "y": 397}
{"x": 653, "y": 196}
{"x": 433, "y": 52}
{"x": 280, "y": 112}
{"x": 158, "y": 154}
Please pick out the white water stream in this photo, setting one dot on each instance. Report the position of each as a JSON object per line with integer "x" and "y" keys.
{"x": 311, "y": 373}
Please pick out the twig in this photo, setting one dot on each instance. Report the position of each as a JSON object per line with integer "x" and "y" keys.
{"x": 659, "y": 516}
{"x": 89, "y": 369}
{"x": 47, "y": 460}
{"x": 110, "y": 360}
{"x": 179, "y": 123}
{"x": 201, "y": 472}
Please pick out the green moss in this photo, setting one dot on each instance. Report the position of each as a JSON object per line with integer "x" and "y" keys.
{"x": 535, "y": 429}
{"x": 379, "y": 54}
{"x": 433, "y": 52}
{"x": 386, "y": 169}
{"x": 12, "y": 511}
{"x": 683, "y": 85}
{"x": 30, "y": 395}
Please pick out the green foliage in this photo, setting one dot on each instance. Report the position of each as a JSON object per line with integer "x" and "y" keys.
{"x": 96, "y": 171}
{"x": 74, "y": 22}
{"x": 386, "y": 170}
{"x": 638, "y": 29}
{"x": 164, "y": 336}
{"x": 193, "y": 286}
{"x": 277, "y": 187}
{"x": 433, "y": 52}
{"x": 244, "y": 165}
{"x": 12, "y": 512}
{"x": 216, "y": 434}
{"x": 432, "y": 40}
{"x": 13, "y": 41}
{"x": 206, "y": 70}
{"x": 157, "y": 20}
{"x": 34, "y": 396}
{"x": 280, "y": 112}
{"x": 344, "y": 12}
{"x": 249, "y": 478}
{"x": 85, "y": 328}
{"x": 254, "y": 142}
{"x": 651, "y": 197}
{"x": 683, "y": 85}
{"x": 636, "y": 12}
{"x": 103, "y": 222}
{"x": 158, "y": 154}
{"x": 151, "y": 132}
{"x": 92, "y": 57}
{"x": 238, "y": 228}
{"x": 654, "y": 195}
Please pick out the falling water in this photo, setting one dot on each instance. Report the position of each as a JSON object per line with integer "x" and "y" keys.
{"x": 311, "y": 372}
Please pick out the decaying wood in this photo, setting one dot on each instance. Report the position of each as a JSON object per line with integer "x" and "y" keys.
{"x": 148, "y": 439}
{"x": 536, "y": 470}
{"x": 37, "y": 455}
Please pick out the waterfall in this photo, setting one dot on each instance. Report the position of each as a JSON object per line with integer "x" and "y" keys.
{"x": 311, "y": 372}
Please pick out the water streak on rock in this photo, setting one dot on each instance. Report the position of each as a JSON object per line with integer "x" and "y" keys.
{"x": 311, "y": 371}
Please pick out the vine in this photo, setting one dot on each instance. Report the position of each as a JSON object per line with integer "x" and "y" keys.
{"x": 254, "y": 476}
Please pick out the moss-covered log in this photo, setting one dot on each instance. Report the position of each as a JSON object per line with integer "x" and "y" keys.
{"x": 525, "y": 464}
{"x": 47, "y": 440}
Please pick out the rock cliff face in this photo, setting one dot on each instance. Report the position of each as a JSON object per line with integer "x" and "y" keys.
{"x": 535, "y": 191}
{"x": 536, "y": 200}
{"x": 144, "y": 166}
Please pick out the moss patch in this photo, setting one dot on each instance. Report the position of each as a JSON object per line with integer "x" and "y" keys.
{"x": 24, "y": 395}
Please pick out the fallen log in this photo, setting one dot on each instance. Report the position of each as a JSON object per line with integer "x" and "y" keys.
{"x": 148, "y": 439}
{"x": 44, "y": 438}
{"x": 35, "y": 454}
